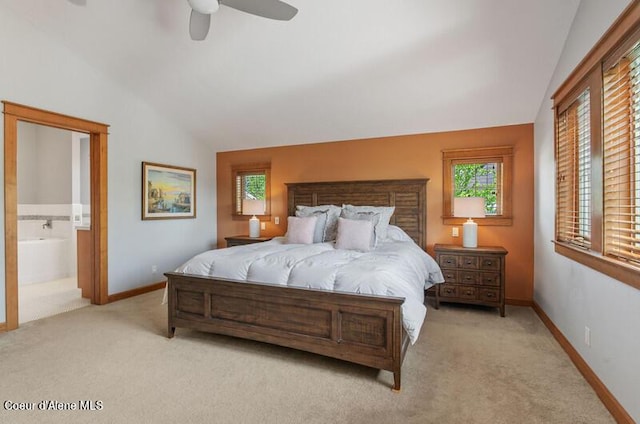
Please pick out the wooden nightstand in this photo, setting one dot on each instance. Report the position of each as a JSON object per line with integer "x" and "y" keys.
{"x": 239, "y": 240}
{"x": 472, "y": 275}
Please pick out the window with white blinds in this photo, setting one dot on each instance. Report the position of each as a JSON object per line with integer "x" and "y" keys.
{"x": 250, "y": 181}
{"x": 621, "y": 157}
{"x": 573, "y": 173}
{"x": 249, "y": 185}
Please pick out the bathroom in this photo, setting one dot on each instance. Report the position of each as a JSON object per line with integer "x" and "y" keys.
{"x": 53, "y": 205}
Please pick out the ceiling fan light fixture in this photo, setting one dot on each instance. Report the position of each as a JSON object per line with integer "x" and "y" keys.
{"x": 201, "y": 10}
{"x": 206, "y": 7}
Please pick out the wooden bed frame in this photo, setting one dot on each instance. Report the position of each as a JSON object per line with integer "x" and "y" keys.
{"x": 363, "y": 329}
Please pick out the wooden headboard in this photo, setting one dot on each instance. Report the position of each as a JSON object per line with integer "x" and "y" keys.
{"x": 408, "y": 196}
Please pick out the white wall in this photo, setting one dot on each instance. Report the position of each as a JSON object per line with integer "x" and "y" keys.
{"x": 85, "y": 172}
{"x": 38, "y": 72}
{"x": 44, "y": 165}
{"x": 572, "y": 295}
{"x": 27, "y": 153}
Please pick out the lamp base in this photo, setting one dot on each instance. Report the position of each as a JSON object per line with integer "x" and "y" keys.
{"x": 254, "y": 227}
{"x": 469, "y": 234}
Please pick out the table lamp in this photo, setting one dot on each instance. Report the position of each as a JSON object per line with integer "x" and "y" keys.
{"x": 253, "y": 207}
{"x": 469, "y": 207}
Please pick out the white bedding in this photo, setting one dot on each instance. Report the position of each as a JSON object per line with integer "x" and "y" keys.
{"x": 394, "y": 268}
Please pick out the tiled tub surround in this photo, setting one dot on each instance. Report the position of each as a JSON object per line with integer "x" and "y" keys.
{"x": 47, "y": 253}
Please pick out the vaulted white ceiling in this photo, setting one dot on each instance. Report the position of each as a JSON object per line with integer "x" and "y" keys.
{"x": 341, "y": 69}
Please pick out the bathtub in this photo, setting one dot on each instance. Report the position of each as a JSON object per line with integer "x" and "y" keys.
{"x": 42, "y": 259}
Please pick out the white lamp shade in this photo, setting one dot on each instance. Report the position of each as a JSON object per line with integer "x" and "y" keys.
{"x": 253, "y": 207}
{"x": 468, "y": 207}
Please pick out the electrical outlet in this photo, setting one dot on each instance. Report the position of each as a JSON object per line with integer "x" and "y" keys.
{"x": 587, "y": 336}
{"x": 454, "y": 232}
{"x": 276, "y": 220}
{"x": 263, "y": 225}
{"x": 154, "y": 269}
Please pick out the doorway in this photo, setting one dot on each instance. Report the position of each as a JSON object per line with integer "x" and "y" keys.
{"x": 53, "y": 214}
{"x": 97, "y": 234}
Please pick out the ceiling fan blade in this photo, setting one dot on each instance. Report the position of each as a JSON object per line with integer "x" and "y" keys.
{"x": 199, "y": 24}
{"x": 272, "y": 9}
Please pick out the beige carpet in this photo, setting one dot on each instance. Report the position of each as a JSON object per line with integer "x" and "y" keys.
{"x": 41, "y": 300}
{"x": 469, "y": 366}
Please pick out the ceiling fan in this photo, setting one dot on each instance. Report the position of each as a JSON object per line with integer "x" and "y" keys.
{"x": 201, "y": 11}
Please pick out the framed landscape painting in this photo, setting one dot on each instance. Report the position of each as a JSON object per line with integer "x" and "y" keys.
{"x": 168, "y": 191}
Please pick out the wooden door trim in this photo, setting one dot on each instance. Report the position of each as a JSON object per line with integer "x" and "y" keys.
{"x": 98, "y": 132}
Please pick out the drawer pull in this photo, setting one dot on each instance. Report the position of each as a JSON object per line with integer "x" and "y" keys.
{"x": 469, "y": 292}
{"x": 489, "y": 294}
{"x": 467, "y": 277}
{"x": 448, "y": 291}
{"x": 488, "y": 262}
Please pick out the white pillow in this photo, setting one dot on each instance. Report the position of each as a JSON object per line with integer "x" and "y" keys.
{"x": 333, "y": 212}
{"x": 354, "y": 234}
{"x": 397, "y": 234}
{"x": 321, "y": 223}
{"x": 301, "y": 230}
{"x": 385, "y": 215}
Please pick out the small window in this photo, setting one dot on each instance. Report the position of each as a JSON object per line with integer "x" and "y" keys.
{"x": 482, "y": 172}
{"x": 251, "y": 182}
{"x": 482, "y": 179}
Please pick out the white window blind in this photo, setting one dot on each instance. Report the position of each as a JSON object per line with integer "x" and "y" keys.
{"x": 249, "y": 185}
{"x": 573, "y": 173}
{"x": 621, "y": 143}
{"x": 239, "y": 192}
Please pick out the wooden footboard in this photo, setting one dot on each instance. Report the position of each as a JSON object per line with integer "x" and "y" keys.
{"x": 366, "y": 330}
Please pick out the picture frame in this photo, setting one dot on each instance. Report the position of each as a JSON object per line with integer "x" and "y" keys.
{"x": 168, "y": 192}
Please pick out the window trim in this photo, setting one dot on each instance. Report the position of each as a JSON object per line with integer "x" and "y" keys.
{"x": 451, "y": 157}
{"x": 589, "y": 73}
{"x": 248, "y": 168}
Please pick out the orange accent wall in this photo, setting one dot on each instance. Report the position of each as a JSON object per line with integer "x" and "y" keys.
{"x": 410, "y": 156}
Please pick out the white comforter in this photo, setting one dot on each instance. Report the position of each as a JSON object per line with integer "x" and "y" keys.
{"x": 394, "y": 268}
